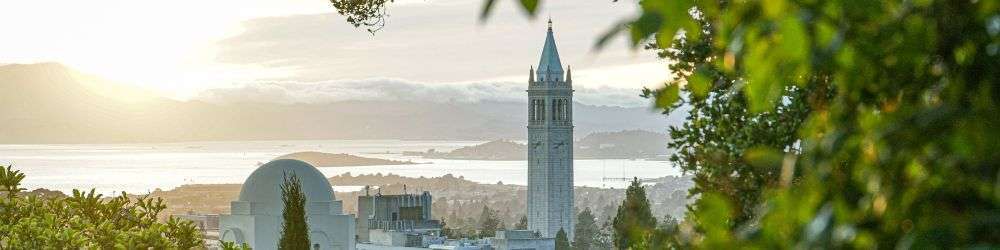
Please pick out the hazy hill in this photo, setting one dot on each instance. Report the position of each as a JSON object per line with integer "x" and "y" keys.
{"x": 320, "y": 159}
{"x": 623, "y": 144}
{"x": 50, "y": 103}
{"x": 498, "y": 150}
{"x": 626, "y": 144}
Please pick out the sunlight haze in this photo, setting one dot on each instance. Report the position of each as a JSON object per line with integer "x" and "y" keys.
{"x": 181, "y": 48}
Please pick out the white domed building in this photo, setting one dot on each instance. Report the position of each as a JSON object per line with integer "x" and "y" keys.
{"x": 255, "y": 218}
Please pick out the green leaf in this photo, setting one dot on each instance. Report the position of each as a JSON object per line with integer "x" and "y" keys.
{"x": 700, "y": 83}
{"x": 775, "y": 8}
{"x": 646, "y": 25}
{"x": 763, "y": 157}
{"x": 530, "y": 6}
{"x": 794, "y": 42}
{"x": 667, "y": 96}
{"x": 487, "y": 9}
{"x": 608, "y": 35}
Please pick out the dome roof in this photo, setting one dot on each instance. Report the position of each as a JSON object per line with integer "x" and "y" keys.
{"x": 264, "y": 184}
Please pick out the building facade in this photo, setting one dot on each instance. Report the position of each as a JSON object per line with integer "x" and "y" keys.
{"x": 550, "y": 144}
{"x": 409, "y": 213}
{"x": 521, "y": 240}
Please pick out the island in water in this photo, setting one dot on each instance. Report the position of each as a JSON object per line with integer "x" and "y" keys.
{"x": 321, "y": 159}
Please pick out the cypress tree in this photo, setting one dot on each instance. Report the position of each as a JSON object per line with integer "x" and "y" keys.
{"x": 562, "y": 242}
{"x": 522, "y": 224}
{"x": 586, "y": 230}
{"x": 634, "y": 224}
{"x": 489, "y": 223}
{"x": 294, "y": 230}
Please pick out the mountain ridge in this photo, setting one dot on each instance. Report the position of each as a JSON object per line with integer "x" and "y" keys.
{"x": 52, "y": 103}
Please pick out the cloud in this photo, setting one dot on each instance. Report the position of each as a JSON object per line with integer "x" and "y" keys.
{"x": 437, "y": 41}
{"x": 393, "y": 89}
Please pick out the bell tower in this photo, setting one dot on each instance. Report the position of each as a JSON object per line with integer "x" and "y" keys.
{"x": 550, "y": 144}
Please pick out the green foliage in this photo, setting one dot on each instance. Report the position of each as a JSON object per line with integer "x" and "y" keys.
{"x": 729, "y": 149}
{"x": 634, "y": 225}
{"x": 586, "y": 231}
{"x": 895, "y": 139}
{"x": 294, "y": 230}
{"x": 86, "y": 220}
{"x": 229, "y": 245}
{"x": 605, "y": 236}
{"x": 489, "y": 223}
{"x": 370, "y": 14}
{"x": 562, "y": 241}
{"x": 10, "y": 181}
{"x": 522, "y": 224}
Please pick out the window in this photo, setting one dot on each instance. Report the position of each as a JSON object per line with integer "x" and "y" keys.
{"x": 565, "y": 109}
{"x": 531, "y": 110}
{"x": 537, "y": 112}
{"x": 560, "y": 110}
{"x": 541, "y": 110}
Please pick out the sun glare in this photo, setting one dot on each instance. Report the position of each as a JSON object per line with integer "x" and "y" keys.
{"x": 165, "y": 46}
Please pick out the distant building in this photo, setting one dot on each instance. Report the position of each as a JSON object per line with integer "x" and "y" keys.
{"x": 462, "y": 244}
{"x": 550, "y": 144}
{"x": 521, "y": 240}
{"x": 204, "y": 222}
{"x": 256, "y": 216}
{"x": 208, "y": 224}
{"x": 396, "y": 215}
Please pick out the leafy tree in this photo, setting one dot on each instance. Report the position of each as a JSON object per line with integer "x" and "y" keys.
{"x": 668, "y": 225}
{"x": 369, "y": 14}
{"x": 489, "y": 223}
{"x": 446, "y": 230}
{"x": 10, "y": 181}
{"x": 294, "y": 230}
{"x": 634, "y": 223}
{"x": 605, "y": 236}
{"x": 911, "y": 98}
{"x": 522, "y": 224}
{"x": 229, "y": 245}
{"x": 562, "y": 241}
{"x": 87, "y": 220}
{"x": 586, "y": 230}
{"x": 720, "y": 132}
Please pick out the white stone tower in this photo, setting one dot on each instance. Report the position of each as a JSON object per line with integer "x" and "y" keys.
{"x": 550, "y": 144}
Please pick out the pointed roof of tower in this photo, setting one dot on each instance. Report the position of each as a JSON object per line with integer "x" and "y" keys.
{"x": 569, "y": 73}
{"x": 549, "y": 62}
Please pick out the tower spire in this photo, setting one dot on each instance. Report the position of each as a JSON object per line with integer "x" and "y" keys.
{"x": 531, "y": 74}
{"x": 549, "y": 66}
{"x": 569, "y": 73}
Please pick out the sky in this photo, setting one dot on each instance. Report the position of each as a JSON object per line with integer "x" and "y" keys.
{"x": 189, "y": 49}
